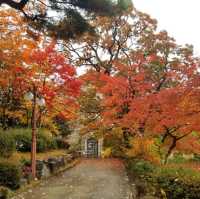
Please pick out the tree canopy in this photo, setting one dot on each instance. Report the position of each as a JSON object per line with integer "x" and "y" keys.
{"x": 139, "y": 82}
{"x": 68, "y": 18}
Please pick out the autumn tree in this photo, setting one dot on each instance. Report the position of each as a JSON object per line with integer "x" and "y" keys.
{"x": 47, "y": 75}
{"x": 12, "y": 55}
{"x": 115, "y": 40}
{"x": 138, "y": 103}
{"x": 175, "y": 118}
{"x": 90, "y": 108}
{"x": 43, "y": 73}
{"x": 123, "y": 38}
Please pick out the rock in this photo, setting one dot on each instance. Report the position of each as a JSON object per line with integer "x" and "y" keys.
{"x": 39, "y": 167}
{"x": 23, "y": 181}
{"x": 52, "y": 166}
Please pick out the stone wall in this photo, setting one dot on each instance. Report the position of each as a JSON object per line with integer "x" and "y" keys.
{"x": 46, "y": 168}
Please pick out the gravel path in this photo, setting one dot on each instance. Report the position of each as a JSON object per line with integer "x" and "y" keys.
{"x": 91, "y": 179}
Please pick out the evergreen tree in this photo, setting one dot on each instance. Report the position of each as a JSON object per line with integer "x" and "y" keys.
{"x": 65, "y": 19}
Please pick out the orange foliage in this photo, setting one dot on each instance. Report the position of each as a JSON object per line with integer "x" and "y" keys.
{"x": 143, "y": 148}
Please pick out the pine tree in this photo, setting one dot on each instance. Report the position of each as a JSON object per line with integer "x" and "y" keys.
{"x": 67, "y": 18}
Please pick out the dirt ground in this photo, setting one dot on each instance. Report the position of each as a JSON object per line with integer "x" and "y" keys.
{"x": 91, "y": 179}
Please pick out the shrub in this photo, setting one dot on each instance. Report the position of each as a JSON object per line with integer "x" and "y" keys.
{"x": 144, "y": 148}
{"x": 140, "y": 167}
{"x": 75, "y": 147}
{"x": 172, "y": 182}
{"x": 23, "y": 138}
{"x": 5, "y": 193}
{"x": 107, "y": 152}
{"x": 62, "y": 143}
{"x": 196, "y": 158}
{"x": 117, "y": 142}
{"x": 52, "y": 144}
{"x": 177, "y": 158}
{"x": 10, "y": 175}
{"x": 178, "y": 182}
{"x": 42, "y": 144}
{"x": 7, "y": 144}
{"x": 62, "y": 126}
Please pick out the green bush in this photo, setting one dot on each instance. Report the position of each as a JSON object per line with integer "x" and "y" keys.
{"x": 45, "y": 141}
{"x": 52, "y": 144}
{"x": 175, "y": 182}
{"x": 140, "y": 167}
{"x": 63, "y": 126}
{"x": 196, "y": 158}
{"x": 7, "y": 144}
{"x": 177, "y": 158}
{"x": 10, "y": 175}
{"x": 178, "y": 182}
{"x": 62, "y": 143}
{"x": 23, "y": 138}
{"x": 5, "y": 193}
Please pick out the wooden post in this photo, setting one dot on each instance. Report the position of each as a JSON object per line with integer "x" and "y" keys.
{"x": 34, "y": 130}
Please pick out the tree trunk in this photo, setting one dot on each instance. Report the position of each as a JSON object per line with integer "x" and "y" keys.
{"x": 39, "y": 118}
{"x": 4, "y": 118}
{"x": 142, "y": 128}
{"x": 162, "y": 142}
{"x": 34, "y": 129}
{"x": 173, "y": 145}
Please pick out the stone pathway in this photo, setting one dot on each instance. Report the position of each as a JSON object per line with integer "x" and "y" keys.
{"x": 91, "y": 179}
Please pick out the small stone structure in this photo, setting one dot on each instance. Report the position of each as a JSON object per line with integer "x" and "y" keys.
{"x": 91, "y": 146}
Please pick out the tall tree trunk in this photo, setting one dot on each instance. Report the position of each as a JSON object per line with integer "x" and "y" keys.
{"x": 34, "y": 129}
{"x": 39, "y": 118}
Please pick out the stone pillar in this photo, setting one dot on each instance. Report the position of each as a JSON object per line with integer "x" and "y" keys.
{"x": 100, "y": 147}
{"x": 85, "y": 148}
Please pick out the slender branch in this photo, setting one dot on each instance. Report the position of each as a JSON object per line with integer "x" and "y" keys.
{"x": 179, "y": 138}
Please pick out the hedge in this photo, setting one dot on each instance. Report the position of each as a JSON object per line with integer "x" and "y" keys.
{"x": 10, "y": 175}
{"x": 7, "y": 144}
{"x": 23, "y": 138}
{"x": 174, "y": 182}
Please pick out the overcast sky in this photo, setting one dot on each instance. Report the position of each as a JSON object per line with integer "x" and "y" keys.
{"x": 179, "y": 17}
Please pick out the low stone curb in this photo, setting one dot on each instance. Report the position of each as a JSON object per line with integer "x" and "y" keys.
{"x": 38, "y": 182}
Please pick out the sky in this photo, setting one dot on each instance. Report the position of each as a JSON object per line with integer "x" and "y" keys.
{"x": 179, "y": 17}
